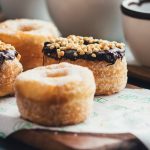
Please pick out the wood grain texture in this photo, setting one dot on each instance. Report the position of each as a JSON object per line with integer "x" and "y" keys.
{"x": 50, "y": 140}
{"x": 53, "y": 140}
{"x": 139, "y": 72}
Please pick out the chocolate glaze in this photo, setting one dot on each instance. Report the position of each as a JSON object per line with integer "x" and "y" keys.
{"x": 87, "y": 42}
{"x": 109, "y": 56}
{"x": 7, "y": 55}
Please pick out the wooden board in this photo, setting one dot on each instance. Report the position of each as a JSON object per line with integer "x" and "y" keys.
{"x": 139, "y": 72}
{"x": 53, "y": 140}
{"x": 50, "y": 140}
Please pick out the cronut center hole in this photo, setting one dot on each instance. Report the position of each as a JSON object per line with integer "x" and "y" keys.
{"x": 56, "y": 73}
{"x": 27, "y": 28}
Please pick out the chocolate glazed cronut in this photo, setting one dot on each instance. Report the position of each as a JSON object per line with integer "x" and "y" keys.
{"x": 106, "y": 59}
{"x": 10, "y": 67}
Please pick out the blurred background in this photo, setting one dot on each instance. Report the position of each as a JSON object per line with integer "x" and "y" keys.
{"x": 98, "y": 18}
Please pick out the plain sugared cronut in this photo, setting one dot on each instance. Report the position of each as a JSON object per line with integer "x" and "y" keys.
{"x": 28, "y": 37}
{"x": 106, "y": 59}
{"x": 55, "y": 95}
{"x": 10, "y": 67}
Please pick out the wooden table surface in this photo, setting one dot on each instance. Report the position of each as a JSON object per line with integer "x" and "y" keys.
{"x": 139, "y": 75}
{"x": 50, "y": 140}
{"x": 139, "y": 72}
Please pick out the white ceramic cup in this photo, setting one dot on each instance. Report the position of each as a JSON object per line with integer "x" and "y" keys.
{"x": 136, "y": 23}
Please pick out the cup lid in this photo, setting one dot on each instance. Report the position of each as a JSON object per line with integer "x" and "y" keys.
{"x": 136, "y": 8}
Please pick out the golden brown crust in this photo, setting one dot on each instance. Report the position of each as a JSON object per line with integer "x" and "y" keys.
{"x": 28, "y": 36}
{"x": 109, "y": 78}
{"x": 45, "y": 113}
{"x": 8, "y": 72}
{"x": 66, "y": 96}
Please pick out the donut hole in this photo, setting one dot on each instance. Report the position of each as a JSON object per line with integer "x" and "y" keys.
{"x": 26, "y": 28}
{"x": 56, "y": 74}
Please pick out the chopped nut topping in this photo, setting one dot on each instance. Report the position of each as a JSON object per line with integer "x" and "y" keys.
{"x": 93, "y": 55}
{"x": 75, "y": 54}
{"x": 62, "y": 53}
{"x": 7, "y": 52}
{"x": 83, "y": 45}
{"x": 4, "y": 46}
